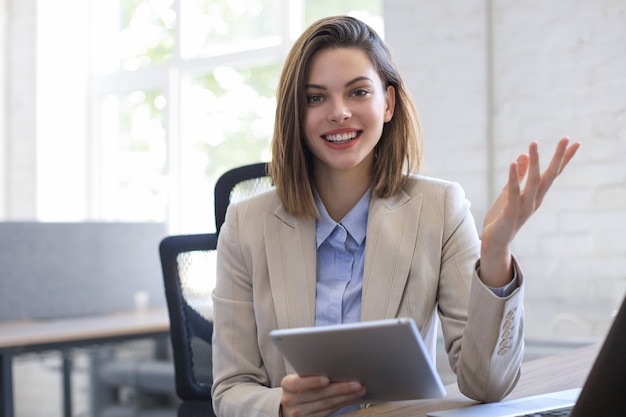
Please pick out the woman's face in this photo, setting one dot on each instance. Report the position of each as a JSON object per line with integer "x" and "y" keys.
{"x": 347, "y": 107}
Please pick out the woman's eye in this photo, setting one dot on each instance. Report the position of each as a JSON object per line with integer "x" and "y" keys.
{"x": 360, "y": 93}
{"x": 313, "y": 99}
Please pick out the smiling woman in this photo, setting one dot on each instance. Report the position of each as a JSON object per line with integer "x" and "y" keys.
{"x": 348, "y": 105}
{"x": 353, "y": 232}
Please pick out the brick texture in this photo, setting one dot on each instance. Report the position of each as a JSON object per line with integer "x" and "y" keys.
{"x": 488, "y": 77}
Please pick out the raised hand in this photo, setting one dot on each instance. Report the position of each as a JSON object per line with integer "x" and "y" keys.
{"x": 514, "y": 206}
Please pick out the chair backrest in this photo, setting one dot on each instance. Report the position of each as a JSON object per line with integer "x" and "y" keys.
{"x": 188, "y": 264}
{"x": 237, "y": 184}
{"x": 190, "y": 326}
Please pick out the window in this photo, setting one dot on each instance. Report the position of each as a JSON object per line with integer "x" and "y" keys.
{"x": 178, "y": 91}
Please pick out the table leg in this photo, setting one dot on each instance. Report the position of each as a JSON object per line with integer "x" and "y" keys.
{"x": 67, "y": 383}
{"x": 6, "y": 384}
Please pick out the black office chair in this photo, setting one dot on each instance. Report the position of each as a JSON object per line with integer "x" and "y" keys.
{"x": 182, "y": 256}
{"x": 239, "y": 183}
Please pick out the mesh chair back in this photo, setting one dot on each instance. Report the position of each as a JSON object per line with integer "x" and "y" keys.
{"x": 188, "y": 263}
{"x": 188, "y": 305}
{"x": 237, "y": 184}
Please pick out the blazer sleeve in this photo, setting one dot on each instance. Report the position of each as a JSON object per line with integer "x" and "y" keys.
{"x": 485, "y": 348}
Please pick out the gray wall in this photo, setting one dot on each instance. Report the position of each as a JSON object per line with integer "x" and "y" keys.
{"x": 51, "y": 270}
{"x": 488, "y": 77}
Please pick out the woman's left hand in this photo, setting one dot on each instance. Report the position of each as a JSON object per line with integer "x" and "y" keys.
{"x": 514, "y": 206}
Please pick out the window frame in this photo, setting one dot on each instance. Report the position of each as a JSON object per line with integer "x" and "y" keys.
{"x": 79, "y": 193}
{"x": 169, "y": 78}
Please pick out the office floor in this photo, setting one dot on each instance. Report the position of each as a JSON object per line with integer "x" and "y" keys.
{"x": 37, "y": 386}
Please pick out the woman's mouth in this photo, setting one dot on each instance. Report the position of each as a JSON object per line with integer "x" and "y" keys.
{"x": 341, "y": 137}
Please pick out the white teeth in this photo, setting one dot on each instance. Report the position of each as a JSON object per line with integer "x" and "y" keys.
{"x": 341, "y": 138}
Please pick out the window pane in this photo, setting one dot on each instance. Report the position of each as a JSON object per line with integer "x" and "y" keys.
{"x": 62, "y": 116}
{"x": 132, "y": 150}
{"x": 132, "y": 34}
{"x": 211, "y": 27}
{"x": 228, "y": 119}
{"x": 370, "y": 11}
{"x": 222, "y": 98}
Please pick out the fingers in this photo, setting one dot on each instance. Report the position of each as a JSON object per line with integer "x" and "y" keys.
{"x": 555, "y": 166}
{"x": 295, "y": 383}
{"x": 516, "y": 175}
{"x": 562, "y": 155}
{"x": 538, "y": 183}
{"x": 534, "y": 179}
{"x": 569, "y": 154}
{"x": 522, "y": 166}
{"x": 316, "y": 396}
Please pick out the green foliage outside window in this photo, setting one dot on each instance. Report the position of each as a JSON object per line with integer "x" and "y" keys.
{"x": 222, "y": 114}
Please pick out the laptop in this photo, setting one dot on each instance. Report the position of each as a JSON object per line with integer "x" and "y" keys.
{"x": 602, "y": 395}
{"x": 387, "y": 356}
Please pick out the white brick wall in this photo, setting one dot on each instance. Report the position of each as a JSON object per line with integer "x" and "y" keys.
{"x": 441, "y": 54}
{"x": 549, "y": 69}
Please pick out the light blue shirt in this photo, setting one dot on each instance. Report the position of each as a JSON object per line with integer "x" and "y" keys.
{"x": 340, "y": 252}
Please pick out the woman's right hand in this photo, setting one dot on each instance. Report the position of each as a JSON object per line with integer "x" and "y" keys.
{"x": 316, "y": 396}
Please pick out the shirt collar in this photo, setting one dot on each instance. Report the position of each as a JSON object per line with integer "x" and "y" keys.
{"x": 355, "y": 222}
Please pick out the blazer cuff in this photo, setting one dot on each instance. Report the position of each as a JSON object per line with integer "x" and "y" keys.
{"x": 506, "y": 290}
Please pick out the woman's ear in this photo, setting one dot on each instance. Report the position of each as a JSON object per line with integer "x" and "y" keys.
{"x": 390, "y": 102}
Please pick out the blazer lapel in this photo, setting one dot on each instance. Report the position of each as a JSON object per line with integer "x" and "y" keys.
{"x": 291, "y": 254}
{"x": 391, "y": 239}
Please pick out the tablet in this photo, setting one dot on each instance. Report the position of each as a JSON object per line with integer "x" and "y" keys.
{"x": 388, "y": 357}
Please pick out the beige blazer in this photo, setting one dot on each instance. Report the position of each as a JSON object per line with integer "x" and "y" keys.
{"x": 421, "y": 254}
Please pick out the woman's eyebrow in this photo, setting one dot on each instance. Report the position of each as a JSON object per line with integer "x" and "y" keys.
{"x": 315, "y": 86}
{"x": 348, "y": 84}
{"x": 357, "y": 79}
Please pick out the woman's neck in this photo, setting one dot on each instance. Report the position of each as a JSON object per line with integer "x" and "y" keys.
{"x": 340, "y": 191}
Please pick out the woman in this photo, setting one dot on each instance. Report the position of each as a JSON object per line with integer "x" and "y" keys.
{"x": 348, "y": 235}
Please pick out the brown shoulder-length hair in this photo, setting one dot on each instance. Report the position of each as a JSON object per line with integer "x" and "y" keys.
{"x": 400, "y": 146}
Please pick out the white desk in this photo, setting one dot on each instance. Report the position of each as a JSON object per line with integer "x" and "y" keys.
{"x": 27, "y": 336}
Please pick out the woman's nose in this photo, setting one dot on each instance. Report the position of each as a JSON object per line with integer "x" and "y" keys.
{"x": 339, "y": 112}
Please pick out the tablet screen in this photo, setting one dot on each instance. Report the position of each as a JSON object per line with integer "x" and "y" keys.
{"x": 387, "y": 356}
